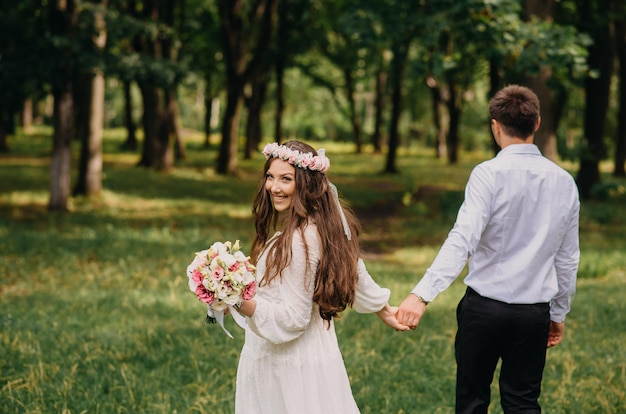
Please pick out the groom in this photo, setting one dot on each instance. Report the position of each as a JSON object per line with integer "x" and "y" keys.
{"x": 518, "y": 227}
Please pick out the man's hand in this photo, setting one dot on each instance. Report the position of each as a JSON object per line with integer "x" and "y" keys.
{"x": 410, "y": 311}
{"x": 556, "y": 333}
{"x": 388, "y": 315}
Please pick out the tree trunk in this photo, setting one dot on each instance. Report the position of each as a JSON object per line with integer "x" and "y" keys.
{"x": 454, "y": 111}
{"x": 4, "y": 146}
{"x": 27, "y": 115}
{"x": 545, "y": 137}
{"x": 90, "y": 165}
{"x": 597, "y": 92}
{"x": 398, "y": 66}
{"x": 246, "y": 48}
{"x": 208, "y": 112}
{"x": 81, "y": 95}
{"x": 160, "y": 106}
{"x": 284, "y": 29}
{"x": 131, "y": 128}
{"x": 151, "y": 95}
{"x": 170, "y": 124}
{"x": 150, "y": 122}
{"x": 235, "y": 47}
{"x": 211, "y": 116}
{"x": 180, "y": 151}
{"x": 495, "y": 84}
{"x": 620, "y": 137}
{"x": 167, "y": 134}
{"x": 61, "y": 148}
{"x": 280, "y": 98}
{"x": 354, "y": 116}
{"x": 227, "y": 157}
{"x": 379, "y": 103}
{"x": 63, "y": 21}
{"x": 254, "y": 130}
{"x": 437, "y": 99}
{"x": 94, "y": 160}
{"x": 89, "y": 180}
{"x": 542, "y": 9}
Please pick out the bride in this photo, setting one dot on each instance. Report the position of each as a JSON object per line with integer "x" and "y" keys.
{"x": 308, "y": 271}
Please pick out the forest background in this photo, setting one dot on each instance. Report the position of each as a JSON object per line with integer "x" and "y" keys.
{"x": 381, "y": 73}
{"x": 129, "y": 133}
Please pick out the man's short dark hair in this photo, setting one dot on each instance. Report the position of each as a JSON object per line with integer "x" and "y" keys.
{"x": 516, "y": 108}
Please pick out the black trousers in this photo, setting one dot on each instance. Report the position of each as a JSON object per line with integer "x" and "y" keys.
{"x": 490, "y": 330}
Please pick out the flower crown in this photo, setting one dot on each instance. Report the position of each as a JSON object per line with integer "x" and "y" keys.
{"x": 302, "y": 160}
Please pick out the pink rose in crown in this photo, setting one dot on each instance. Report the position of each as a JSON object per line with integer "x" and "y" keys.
{"x": 305, "y": 162}
{"x": 283, "y": 152}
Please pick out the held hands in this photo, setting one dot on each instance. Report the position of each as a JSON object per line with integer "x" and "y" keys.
{"x": 388, "y": 316}
{"x": 410, "y": 311}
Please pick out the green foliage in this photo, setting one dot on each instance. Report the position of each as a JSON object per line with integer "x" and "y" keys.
{"x": 318, "y": 114}
{"x": 96, "y": 315}
{"x": 541, "y": 44}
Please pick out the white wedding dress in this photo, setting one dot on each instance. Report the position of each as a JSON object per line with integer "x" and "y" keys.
{"x": 290, "y": 362}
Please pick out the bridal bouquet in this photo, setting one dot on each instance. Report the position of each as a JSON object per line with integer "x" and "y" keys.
{"x": 222, "y": 277}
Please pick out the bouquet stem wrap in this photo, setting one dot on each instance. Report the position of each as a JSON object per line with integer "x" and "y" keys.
{"x": 219, "y": 318}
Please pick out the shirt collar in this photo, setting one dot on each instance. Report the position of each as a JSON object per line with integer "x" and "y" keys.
{"x": 531, "y": 149}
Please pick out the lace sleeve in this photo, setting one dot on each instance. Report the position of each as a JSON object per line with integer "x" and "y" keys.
{"x": 284, "y": 309}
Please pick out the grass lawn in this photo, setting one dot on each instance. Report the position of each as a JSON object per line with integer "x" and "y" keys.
{"x": 96, "y": 316}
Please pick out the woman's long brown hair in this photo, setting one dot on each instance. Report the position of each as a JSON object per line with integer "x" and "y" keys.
{"x": 336, "y": 276}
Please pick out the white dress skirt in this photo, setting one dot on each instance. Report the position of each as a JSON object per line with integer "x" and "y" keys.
{"x": 290, "y": 362}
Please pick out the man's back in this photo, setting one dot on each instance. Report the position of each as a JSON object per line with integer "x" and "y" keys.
{"x": 532, "y": 206}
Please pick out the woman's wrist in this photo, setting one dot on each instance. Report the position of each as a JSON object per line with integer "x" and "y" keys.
{"x": 247, "y": 307}
{"x": 385, "y": 309}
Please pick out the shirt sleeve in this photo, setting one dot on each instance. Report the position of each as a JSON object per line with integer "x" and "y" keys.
{"x": 462, "y": 240}
{"x": 566, "y": 264}
{"x": 285, "y": 314}
{"x": 370, "y": 297}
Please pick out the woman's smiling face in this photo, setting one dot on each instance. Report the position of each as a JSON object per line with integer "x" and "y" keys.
{"x": 280, "y": 182}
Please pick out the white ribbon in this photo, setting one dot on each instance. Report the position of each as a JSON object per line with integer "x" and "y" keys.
{"x": 239, "y": 318}
{"x": 322, "y": 153}
{"x": 219, "y": 318}
{"x": 346, "y": 229}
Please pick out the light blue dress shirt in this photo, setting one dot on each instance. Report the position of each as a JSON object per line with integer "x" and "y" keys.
{"x": 518, "y": 226}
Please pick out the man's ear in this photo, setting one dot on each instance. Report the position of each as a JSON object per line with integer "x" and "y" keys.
{"x": 537, "y": 123}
